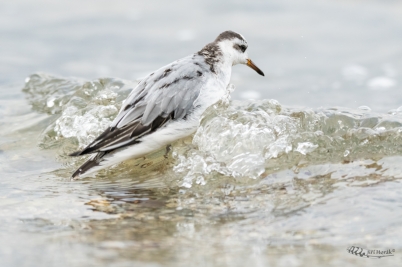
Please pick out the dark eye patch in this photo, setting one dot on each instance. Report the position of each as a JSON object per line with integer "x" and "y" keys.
{"x": 241, "y": 48}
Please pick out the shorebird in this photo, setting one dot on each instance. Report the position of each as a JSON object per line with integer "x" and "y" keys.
{"x": 168, "y": 103}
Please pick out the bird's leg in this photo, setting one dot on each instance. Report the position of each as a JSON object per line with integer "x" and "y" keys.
{"x": 168, "y": 148}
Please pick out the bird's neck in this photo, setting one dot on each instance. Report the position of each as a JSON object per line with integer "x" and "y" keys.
{"x": 219, "y": 63}
{"x": 215, "y": 58}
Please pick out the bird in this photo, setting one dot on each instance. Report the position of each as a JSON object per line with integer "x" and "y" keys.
{"x": 167, "y": 104}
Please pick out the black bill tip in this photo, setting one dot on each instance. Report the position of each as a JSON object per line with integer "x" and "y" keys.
{"x": 254, "y": 67}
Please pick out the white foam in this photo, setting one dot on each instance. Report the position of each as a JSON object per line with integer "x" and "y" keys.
{"x": 238, "y": 139}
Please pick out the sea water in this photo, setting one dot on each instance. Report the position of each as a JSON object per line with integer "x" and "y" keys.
{"x": 269, "y": 183}
{"x": 294, "y": 169}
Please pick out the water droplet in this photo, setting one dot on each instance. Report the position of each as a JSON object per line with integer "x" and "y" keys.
{"x": 306, "y": 147}
{"x": 50, "y": 102}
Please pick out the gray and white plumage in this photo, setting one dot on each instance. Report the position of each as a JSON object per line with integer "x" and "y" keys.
{"x": 168, "y": 103}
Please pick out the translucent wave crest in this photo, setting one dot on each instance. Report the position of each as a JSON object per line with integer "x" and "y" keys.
{"x": 236, "y": 139}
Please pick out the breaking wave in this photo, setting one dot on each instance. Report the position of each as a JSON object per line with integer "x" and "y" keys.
{"x": 243, "y": 140}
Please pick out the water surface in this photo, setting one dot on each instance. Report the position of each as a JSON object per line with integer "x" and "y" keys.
{"x": 291, "y": 171}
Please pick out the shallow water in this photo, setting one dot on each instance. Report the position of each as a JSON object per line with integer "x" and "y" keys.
{"x": 288, "y": 182}
{"x": 259, "y": 183}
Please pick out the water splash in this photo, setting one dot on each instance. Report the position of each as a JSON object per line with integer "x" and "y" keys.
{"x": 82, "y": 109}
{"x": 252, "y": 139}
{"x": 243, "y": 140}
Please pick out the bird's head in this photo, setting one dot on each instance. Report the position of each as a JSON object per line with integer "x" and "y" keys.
{"x": 234, "y": 47}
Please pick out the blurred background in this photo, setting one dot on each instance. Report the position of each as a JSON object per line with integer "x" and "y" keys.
{"x": 314, "y": 53}
{"x": 333, "y": 180}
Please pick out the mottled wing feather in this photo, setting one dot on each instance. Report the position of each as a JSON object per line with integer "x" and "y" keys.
{"x": 168, "y": 94}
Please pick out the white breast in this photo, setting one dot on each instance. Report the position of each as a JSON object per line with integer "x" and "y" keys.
{"x": 214, "y": 89}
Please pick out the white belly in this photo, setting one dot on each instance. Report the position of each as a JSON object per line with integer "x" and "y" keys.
{"x": 213, "y": 91}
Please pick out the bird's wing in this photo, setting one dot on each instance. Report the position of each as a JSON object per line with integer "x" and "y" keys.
{"x": 165, "y": 95}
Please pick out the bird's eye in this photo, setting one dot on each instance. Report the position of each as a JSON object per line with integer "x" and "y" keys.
{"x": 243, "y": 48}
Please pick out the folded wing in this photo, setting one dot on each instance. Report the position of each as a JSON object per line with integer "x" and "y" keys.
{"x": 161, "y": 97}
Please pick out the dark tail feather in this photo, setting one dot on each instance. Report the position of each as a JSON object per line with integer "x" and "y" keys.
{"x": 89, "y": 164}
{"x": 75, "y": 154}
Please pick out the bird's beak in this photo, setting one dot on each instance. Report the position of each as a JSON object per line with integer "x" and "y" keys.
{"x": 254, "y": 67}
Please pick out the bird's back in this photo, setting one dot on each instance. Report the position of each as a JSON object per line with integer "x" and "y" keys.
{"x": 169, "y": 94}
